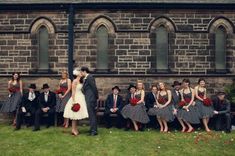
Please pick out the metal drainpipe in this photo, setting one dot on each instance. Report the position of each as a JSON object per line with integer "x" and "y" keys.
{"x": 70, "y": 41}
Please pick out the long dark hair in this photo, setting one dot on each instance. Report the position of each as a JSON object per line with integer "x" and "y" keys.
{"x": 81, "y": 79}
{"x": 201, "y": 79}
{"x": 12, "y": 77}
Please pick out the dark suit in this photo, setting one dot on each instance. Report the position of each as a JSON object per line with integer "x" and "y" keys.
{"x": 91, "y": 95}
{"x": 109, "y": 104}
{"x": 224, "y": 116}
{"x": 30, "y": 105}
{"x": 176, "y": 98}
{"x": 149, "y": 103}
{"x": 51, "y": 103}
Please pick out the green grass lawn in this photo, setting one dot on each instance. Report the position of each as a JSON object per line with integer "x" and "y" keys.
{"x": 55, "y": 142}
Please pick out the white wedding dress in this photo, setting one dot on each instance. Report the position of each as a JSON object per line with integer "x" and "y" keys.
{"x": 79, "y": 98}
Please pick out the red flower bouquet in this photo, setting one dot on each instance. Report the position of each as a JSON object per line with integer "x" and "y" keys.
{"x": 76, "y": 107}
{"x": 134, "y": 101}
{"x": 62, "y": 90}
{"x": 187, "y": 100}
{"x": 161, "y": 100}
{"x": 13, "y": 89}
{"x": 207, "y": 102}
{"x": 182, "y": 103}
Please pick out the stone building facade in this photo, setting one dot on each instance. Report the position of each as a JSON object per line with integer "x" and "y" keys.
{"x": 148, "y": 40}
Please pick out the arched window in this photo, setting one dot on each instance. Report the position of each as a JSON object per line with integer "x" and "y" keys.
{"x": 102, "y": 48}
{"x": 220, "y": 49}
{"x": 43, "y": 40}
{"x": 161, "y": 49}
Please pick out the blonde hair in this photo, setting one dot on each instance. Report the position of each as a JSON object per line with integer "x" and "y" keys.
{"x": 65, "y": 72}
{"x": 163, "y": 85}
{"x": 140, "y": 81}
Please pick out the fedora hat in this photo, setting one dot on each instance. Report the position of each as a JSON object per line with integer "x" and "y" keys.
{"x": 32, "y": 86}
{"x": 176, "y": 83}
{"x": 116, "y": 87}
{"x": 45, "y": 86}
{"x": 131, "y": 86}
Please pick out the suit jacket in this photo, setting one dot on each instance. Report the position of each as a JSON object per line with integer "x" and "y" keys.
{"x": 51, "y": 102}
{"x": 109, "y": 102}
{"x": 222, "y": 107}
{"x": 89, "y": 89}
{"x": 127, "y": 99}
{"x": 149, "y": 100}
{"x": 30, "y": 105}
{"x": 175, "y": 98}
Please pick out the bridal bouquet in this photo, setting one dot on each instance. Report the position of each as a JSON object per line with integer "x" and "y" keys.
{"x": 161, "y": 101}
{"x": 12, "y": 90}
{"x": 76, "y": 107}
{"x": 62, "y": 90}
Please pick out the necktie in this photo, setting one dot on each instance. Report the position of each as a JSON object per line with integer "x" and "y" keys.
{"x": 115, "y": 101}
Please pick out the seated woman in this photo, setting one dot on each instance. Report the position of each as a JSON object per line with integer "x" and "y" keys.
{"x": 136, "y": 110}
{"x": 206, "y": 111}
{"x": 187, "y": 113}
{"x": 163, "y": 108}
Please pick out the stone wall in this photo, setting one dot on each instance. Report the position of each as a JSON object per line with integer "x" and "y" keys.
{"x": 131, "y": 45}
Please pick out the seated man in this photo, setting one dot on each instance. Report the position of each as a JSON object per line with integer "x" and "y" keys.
{"x": 150, "y": 100}
{"x": 222, "y": 111}
{"x": 28, "y": 106}
{"x": 113, "y": 105}
{"x": 47, "y": 103}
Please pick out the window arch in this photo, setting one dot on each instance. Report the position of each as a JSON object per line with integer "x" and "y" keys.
{"x": 102, "y": 31}
{"x": 41, "y": 30}
{"x": 219, "y": 28}
{"x": 102, "y": 47}
{"x": 160, "y": 32}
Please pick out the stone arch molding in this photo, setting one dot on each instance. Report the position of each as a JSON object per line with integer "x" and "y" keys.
{"x": 42, "y": 22}
{"x": 102, "y": 21}
{"x": 221, "y": 21}
{"x": 162, "y": 21}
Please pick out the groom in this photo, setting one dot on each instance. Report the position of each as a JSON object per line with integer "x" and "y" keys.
{"x": 91, "y": 95}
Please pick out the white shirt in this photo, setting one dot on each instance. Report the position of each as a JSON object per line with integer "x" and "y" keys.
{"x": 31, "y": 96}
{"x": 46, "y": 96}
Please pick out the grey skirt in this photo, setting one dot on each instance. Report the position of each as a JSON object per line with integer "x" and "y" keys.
{"x": 60, "y": 103}
{"x": 204, "y": 111}
{"x": 192, "y": 116}
{"x": 165, "y": 113}
{"x": 12, "y": 103}
{"x": 136, "y": 113}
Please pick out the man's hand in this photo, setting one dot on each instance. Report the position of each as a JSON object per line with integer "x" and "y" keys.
{"x": 216, "y": 112}
{"x": 23, "y": 109}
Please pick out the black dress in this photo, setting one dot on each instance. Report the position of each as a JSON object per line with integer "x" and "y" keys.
{"x": 191, "y": 116}
{"x": 166, "y": 112}
{"x": 136, "y": 112}
{"x": 60, "y": 103}
{"x": 13, "y": 102}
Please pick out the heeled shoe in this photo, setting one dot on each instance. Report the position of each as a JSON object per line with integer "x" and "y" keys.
{"x": 74, "y": 134}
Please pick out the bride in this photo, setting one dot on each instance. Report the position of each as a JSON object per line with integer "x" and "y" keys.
{"x": 77, "y": 97}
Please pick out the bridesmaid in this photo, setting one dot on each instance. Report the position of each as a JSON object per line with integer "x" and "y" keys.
{"x": 15, "y": 89}
{"x": 189, "y": 113}
{"x": 163, "y": 108}
{"x": 206, "y": 112}
{"x": 63, "y": 96}
{"x": 137, "y": 112}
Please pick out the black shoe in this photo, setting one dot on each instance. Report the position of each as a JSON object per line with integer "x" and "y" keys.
{"x": 36, "y": 129}
{"x": 93, "y": 133}
{"x": 126, "y": 129}
{"x": 108, "y": 127}
{"x": 16, "y": 129}
{"x": 228, "y": 131}
{"x": 48, "y": 126}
